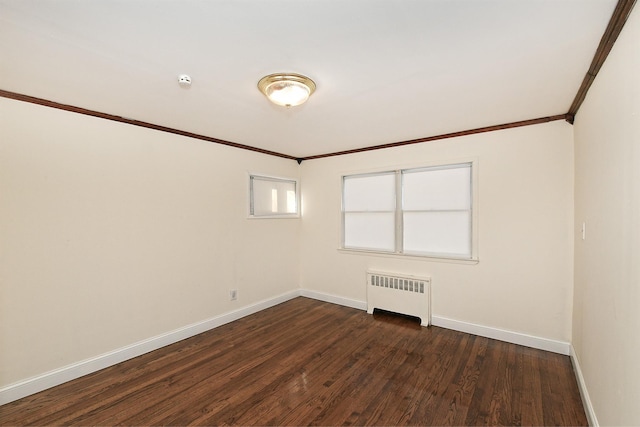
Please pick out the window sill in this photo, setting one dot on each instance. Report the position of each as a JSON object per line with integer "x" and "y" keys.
{"x": 471, "y": 261}
{"x": 273, "y": 217}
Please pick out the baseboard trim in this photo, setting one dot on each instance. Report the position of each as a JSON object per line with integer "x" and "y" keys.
{"x": 582, "y": 386}
{"x": 59, "y": 376}
{"x": 76, "y": 370}
{"x": 502, "y": 335}
{"x": 457, "y": 325}
{"x": 334, "y": 299}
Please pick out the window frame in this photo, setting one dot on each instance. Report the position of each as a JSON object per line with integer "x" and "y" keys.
{"x": 250, "y": 207}
{"x": 399, "y": 250}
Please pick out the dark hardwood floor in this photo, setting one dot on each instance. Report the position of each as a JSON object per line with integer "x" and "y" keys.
{"x": 307, "y": 362}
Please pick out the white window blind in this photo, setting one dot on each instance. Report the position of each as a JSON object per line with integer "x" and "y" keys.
{"x": 436, "y": 211}
{"x": 425, "y": 211}
{"x": 369, "y": 205}
{"x": 272, "y": 196}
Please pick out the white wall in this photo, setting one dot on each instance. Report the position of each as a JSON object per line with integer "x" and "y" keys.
{"x": 606, "y": 334}
{"x": 524, "y": 279}
{"x": 111, "y": 234}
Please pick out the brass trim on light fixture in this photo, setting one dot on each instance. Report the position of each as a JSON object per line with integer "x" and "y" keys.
{"x": 293, "y": 78}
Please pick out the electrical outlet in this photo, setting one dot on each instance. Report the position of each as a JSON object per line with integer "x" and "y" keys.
{"x": 233, "y": 294}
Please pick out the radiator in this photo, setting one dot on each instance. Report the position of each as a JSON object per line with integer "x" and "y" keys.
{"x": 402, "y": 294}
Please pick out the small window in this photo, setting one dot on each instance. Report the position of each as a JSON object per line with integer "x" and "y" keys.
{"x": 421, "y": 212}
{"x": 271, "y": 197}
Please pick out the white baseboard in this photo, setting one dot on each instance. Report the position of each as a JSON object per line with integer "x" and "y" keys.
{"x": 334, "y": 299}
{"x": 582, "y": 386}
{"x": 471, "y": 328}
{"x": 503, "y": 335}
{"x": 76, "y": 370}
{"x": 58, "y": 376}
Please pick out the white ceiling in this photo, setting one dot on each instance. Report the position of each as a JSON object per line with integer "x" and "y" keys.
{"x": 386, "y": 70}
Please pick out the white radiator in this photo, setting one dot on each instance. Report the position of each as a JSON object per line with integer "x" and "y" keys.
{"x": 403, "y": 294}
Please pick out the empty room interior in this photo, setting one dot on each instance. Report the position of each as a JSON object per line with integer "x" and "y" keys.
{"x": 468, "y": 169}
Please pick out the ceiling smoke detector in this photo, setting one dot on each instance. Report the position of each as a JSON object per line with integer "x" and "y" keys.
{"x": 184, "y": 80}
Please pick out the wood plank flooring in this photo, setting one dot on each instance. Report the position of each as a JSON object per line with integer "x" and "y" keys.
{"x": 306, "y": 362}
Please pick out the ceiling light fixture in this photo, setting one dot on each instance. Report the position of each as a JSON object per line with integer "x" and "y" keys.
{"x": 287, "y": 89}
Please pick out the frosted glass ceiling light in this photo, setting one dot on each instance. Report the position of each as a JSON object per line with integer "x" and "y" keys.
{"x": 287, "y": 89}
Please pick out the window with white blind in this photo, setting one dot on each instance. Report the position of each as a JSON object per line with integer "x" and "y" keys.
{"x": 271, "y": 197}
{"x": 369, "y": 211}
{"x": 423, "y": 211}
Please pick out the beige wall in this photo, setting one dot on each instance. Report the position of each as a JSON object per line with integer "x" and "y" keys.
{"x": 606, "y": 334}
{"x": 523, "y": 281}
{"x": 112, "y": 234}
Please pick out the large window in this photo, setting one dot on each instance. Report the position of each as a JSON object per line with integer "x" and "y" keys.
{"x": 271, "y": 197}
{"x": 424, "y": 211}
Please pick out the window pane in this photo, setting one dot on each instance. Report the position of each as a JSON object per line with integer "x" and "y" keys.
{"x": 437, "y": 189}
{"x": 370, "y": 231}
{"x": 369, "y": 193}
{"x": 446, "y": 233}
{"x": 273, "y": 197}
